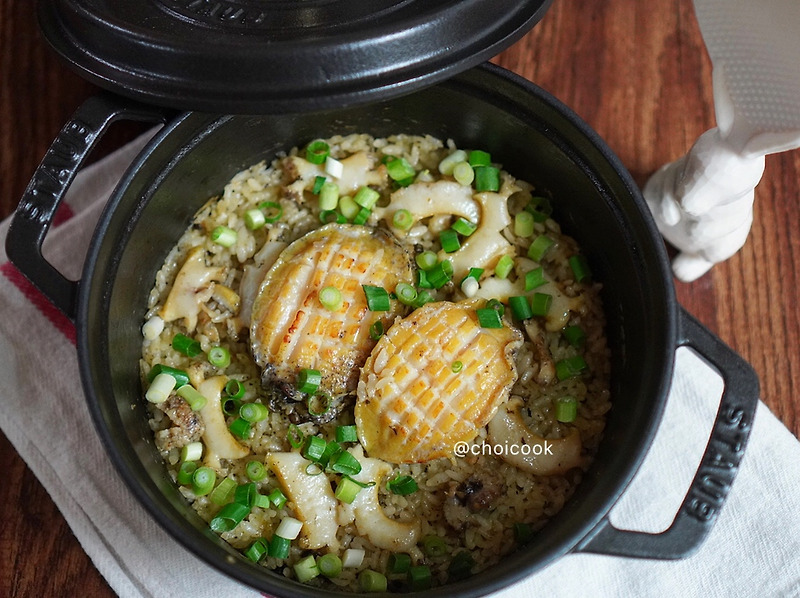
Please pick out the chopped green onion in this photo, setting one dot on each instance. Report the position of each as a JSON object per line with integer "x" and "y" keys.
{"x": 464, "y": 174}
{"x": 261, "y": 501}
{"x": 185, "y": 472}
{"x": 580, "y": 268}
{"x": 402, "y": 485}
{"x": 195, "y": 400}
{"x": 353, "y": 557}
{"x": 426, "y": 260}
{"x": 461, "y": 566}
{"x": 229, "y": 517}
{"x": 345, "y": 463}
{"x": 313, "y": 448}
{"x": 523, "y": 224}
{"x": 402, "y": 219}
{"x": 422, "y": 280}
{"x": 278, "y": 498}
{"x": 346, "y": 434}
{"x": 399, "y": 562}
{"x": 333, "y": 167}
{"x": 328, "y": 216}
{"x": 449, "y": 240}
{"x": 318, "y": 182}
{"x": 377, "y": 298}
{"x": 366, "y": 197}
{"x": 362, "y": 216}
{"x": 289, "y": 528}
{"x": 520, "y": 308}
{"x": 522, "y": 532}
{"x": 272, "y": 211}
{"x": 295, "y": 436}
{"x": 566, "y": 409}
{"x": 423, "y": 297}
{"x": 534, "y": 279}
{"x": 224, "y": 491}
{"x": 489, "y": 318}
{"x": 434, "y": 546}
{"x": 254, "y": 219}
{"x": 470, "y": 287}
{"x": 473, "y": 273}
{"x": 419, "y": 578}
{"x": 406, "y": 293}
{"x": 186, "y": 345}
{"x": 219, "y": 357}
{"x": 279, "y": 547}
{"x": 479, "y": 158}
{"x": 253, "y": 412}
{"x": 245, "y": 494}
{"x": 180, "y": 376}
{"x": 192, "y": 451}
{"x": 504, "y": 266}
{"x": 575, "y": 336}
{"x": 234, "y": 389}
{"x": 329, "y": 196}
{"x": 331, "y": 298}
{"x": 240, "y": 428}
{"x": 376, "y": 330}
{"x": 540, "y": 303}
{"x": 222, "y": 235}
{"x": 464, "y": 227}
{"x": 332, "y": 449}
{"x": 496, "y": 304}
{"x": 372, "y": 581}
{"x": 330, "y": 565}
{"x": 399, "y": 169}
{"x": 317, "y": 151}
{"x": 540, "y": 208}
{"x": 255, "y": 471}
{"x": 539, "y": 247}
{"x": 160, "y": 388}
{"x": 318, "y": 404}
{"x": 456, "y": 367}
{"x": 348, "y": 207}
{"x": 308, "y": 380}
{"x": 449, "y": 162}
{"x": 440, "y": 274}
{"x": 570, "y": 367}
{"x": 203, "y": 481}
{"x": 257, "y": 550}
{"x": 231, "y": 406}
{"x": 347, "y": 489}
{"x": 487, "y": 178}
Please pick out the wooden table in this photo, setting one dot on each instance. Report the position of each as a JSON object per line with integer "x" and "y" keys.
{"x": 637, "y": 72}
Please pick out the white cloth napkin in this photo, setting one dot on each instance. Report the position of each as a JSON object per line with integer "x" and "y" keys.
{"x": 752, "y": 551}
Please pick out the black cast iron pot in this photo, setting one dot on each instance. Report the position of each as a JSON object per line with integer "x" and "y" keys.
{"x": 533, "y": 136}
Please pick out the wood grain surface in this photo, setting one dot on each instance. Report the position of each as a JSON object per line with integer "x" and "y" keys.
{"x": 637, "y": 72}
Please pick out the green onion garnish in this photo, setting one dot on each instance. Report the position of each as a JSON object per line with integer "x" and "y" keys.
{"x": 456, "y": 367}
{"x": 426, "y": 260}
{"x": 540, "y": 208}
{"x": 580, "y": 268}
{"x": 185, "y": 472}
{"x": 406, "y": 293}
{"x": 464, "y": 227}
{"x": 219, "y": 357}
{"x": 489, "y": 318}
{"x": 279, "y": 547}
{"x": 331, "y": 298}
{"x": 419, "y": 578}
{"x": 330, "y": 565}
{"x": 278, "y": 498}
{"x": 376, "y": 330}
{"x": 255, "y": 471}
{"x": 399, "y": 169}
{"x": 449, "y": 162}
{"x": 497, "y": 305}
{"x": 423, "y": 297}
{"x": 240, "y": 428}
{"x": 295, "y": 436}
{"x": 313, "y": 448}
{"x": 328, "y": 216}
{"x": 523, "y": 224}
{"x": 539, "y": 247}
{"x": 449, "y": 240}
{"x": 231, "y": 406}
{"x": 348, "y": 207}
{"x": 229, "y": 517}
{"x": 346, "y": 434}
{"x": 520, "y": 308}
{"x": 261, "y": 501}
{"x": 224, "y": 491}
{"x": 186, "y": 345}
{"x": 399, "y": 562}
{"x": 234, "y": 389}
{"x": 434, "y": 546}
{"x": 479, "y": 158}
{"x": 308, "y": 380}
{"x": 402, "y": 485}
{"x": 253, "y": 412}
{"x": 522, "y": 532}
{"x": 222, "y": 235}
{"x": 464, "y": 174}
{"x": 366, "y": 197}
{"x": 203, "y": 480}
{"x": 440, "y": 274}
{"x": 289, "y": 528}
{"x": 372, "y": 581}
{"x": 566, "y": 409}
{"x": 422, "y": 280}
{"x": 377, "y": 298}
{"x": 347, "y": 489}
{"x": 329, "y": 196}
{"x": 257, "y": 550}
{"x": 487, "y": 178}
{"x": 461, "y": 566}
{"x": 180, "y": 376}
{"x": 402, "y": 219}
{"x": 160, "y": 388}
{"x": 570, "y": 367}
{"x": 575, "y": 336}
{"x": 332, "y": 449}
{"x": 254, "y": 219}
{"x": 246, "y": 494}
{"x": 534, "y": 279}
{"x": 272, "y": 211}
{"x": 504, "y": 266}
{"x": 540, "y": 303}
{"x": 317, "y": 151}
{"x": 192, "y": 451}
{"x": 318, "y": 182}
{"x": 190, "y": 394}
{"x": 473, "y": 273}
{"x": 318, "y": 404}
{"x": 362, "y": 216}
{"x": 344, "y": 463}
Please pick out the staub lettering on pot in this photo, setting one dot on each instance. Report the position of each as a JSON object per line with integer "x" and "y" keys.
{"x": 719, "y": 467}
{"x": 62, "y": 159}
{"x": 217, "y": 11}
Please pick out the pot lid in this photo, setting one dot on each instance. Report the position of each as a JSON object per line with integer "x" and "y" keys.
{"x": 259, "y": 56}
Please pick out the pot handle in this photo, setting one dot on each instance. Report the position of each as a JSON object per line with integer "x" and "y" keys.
{"x": 718, "y": 466}
{"x": 49, "y": 184}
